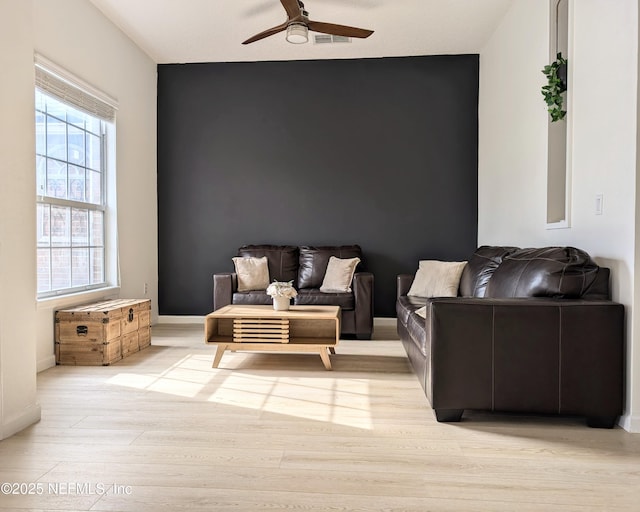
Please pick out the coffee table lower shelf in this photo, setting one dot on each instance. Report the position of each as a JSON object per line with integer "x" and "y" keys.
{"x": 310, "y": 329}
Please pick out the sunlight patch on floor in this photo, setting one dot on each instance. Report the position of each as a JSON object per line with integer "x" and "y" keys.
{"x": 343, "y": 401}
{"x": 332, "y": 400}
{"x": 184, "y": 378}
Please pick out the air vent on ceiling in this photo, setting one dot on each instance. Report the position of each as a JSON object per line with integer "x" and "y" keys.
{"x": 329, "y": 38}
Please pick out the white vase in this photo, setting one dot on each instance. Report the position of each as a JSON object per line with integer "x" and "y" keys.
{"x": 281, "y": 303}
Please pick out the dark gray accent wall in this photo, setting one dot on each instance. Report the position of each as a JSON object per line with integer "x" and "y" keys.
{"x": 378, "y": 152}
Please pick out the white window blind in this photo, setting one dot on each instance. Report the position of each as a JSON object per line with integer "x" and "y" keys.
{"x": 52, "y": 79}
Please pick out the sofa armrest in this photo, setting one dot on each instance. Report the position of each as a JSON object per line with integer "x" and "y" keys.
{"x": 532, "y": 354}
{"x": 363, "y": 296}
{"x": 403, "y": 284}
{"x": 223, "y": 287}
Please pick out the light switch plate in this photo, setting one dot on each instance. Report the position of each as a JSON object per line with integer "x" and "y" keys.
{"x": 599, "y": 203}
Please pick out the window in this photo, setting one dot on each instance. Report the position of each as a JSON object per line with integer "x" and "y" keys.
{"x": 71, "y": 188}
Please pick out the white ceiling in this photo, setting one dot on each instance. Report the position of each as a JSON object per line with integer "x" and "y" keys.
{"x": 180, "y": 31}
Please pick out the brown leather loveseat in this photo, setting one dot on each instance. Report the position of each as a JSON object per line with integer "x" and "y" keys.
{"x": 531, "y": 330}
{"x": 306, "y": 267}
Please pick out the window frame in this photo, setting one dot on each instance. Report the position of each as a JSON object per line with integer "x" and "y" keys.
{"x": 54, "y": 82}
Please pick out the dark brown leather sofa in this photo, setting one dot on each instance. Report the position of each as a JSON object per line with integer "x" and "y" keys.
{"x": 305, "y": 266}
{"x": 532, "y": 331}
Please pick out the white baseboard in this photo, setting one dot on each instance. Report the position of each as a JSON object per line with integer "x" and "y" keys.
{"x": 180, "y": 319}
{"x": 46, "y": 363}
{"x": 384, "y": 322}
{"x": 630, "y": 423}
{"x": 14, "y": 425}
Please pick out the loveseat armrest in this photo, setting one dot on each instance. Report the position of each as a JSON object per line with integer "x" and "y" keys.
{"x": 403, "y": 284}
{"x": 224, "y": 285}
{"x": 363, "y": 297}
{"x": 531, "y": 354}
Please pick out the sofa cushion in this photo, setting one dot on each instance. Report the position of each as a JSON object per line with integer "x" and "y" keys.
{"x": 313, "y": 262}
{"x": 479, "y": 269}
{"x": 282, "y": 260}
{"x": 437, "y": 279}
{"x": 256, "y": 297}
{"x": 314, "y": 297}
{"x": 406, "y": 305}
{"x": 599, "y": 289}
{"x": 339, "y": 274}
{"x": 560, "y": 272}
{"x": 417, "y": 327}
{"x": 252, "y": 273}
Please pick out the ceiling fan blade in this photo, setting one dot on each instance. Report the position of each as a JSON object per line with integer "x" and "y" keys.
{"x": 292, "y": 7}
{"x": 267, "y": 33}
{"x": 338, "y": 30}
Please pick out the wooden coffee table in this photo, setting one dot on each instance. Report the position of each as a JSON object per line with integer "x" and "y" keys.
{"x": 313, "y": 329}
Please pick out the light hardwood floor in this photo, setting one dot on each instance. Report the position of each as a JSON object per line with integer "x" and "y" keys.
{"x": 163, "y": 431}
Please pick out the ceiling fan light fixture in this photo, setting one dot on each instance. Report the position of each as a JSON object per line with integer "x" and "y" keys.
{"x": 297, "y": 33}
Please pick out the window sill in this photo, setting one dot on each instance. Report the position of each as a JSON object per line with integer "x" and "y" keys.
{"x": 563, "y": 224}
{"x": 77, "y": 298}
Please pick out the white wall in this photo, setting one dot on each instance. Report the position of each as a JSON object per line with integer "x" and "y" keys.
{"x": 18, "y": 405}
{"x": 513, "y": 143}
{"x": 512, "y": 128}
{"x": 76, "y": 36}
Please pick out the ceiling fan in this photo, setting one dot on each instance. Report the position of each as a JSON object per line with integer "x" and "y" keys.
{"x": 298, "y": 24}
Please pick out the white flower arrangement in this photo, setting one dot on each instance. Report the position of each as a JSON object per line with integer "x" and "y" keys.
{"x": 282, "y": 289}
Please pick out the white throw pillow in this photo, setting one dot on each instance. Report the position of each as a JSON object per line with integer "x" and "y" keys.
{"x": 437, "y": 279}
{"x": 253, "y": 273}
{"x": 339, "y": 274}
{"x": 422, "y": 312}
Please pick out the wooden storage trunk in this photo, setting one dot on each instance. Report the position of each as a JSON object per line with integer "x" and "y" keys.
{"x": 102, "y": 333}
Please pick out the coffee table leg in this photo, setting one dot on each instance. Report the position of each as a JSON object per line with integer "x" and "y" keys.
{"x": 220, "y": 350}
{"x": 324, "y": 355}
{"x": 332, "y": 350}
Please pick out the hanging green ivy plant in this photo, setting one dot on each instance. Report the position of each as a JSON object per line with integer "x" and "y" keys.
{"x": 556, "y": 85}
